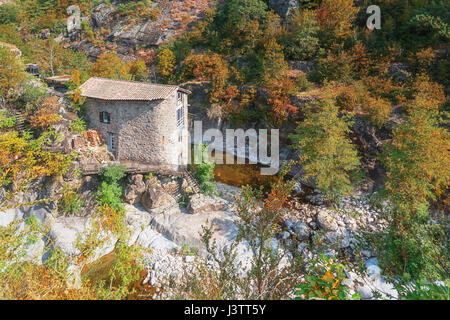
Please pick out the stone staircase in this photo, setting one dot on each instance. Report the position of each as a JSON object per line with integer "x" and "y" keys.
{"x": 192, "y": 182}
{"x": 20, "y": 121}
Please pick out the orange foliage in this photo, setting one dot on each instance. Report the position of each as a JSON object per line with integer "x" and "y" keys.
{"x": 46, "y": 114}
{"x": 208, "y": 67}
{"x": 279, "y": 99}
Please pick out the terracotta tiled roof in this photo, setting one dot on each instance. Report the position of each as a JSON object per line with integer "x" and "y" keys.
{"x": 107, "y": 89}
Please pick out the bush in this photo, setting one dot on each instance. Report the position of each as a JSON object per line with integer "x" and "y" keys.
{"x": 110, "y": 191}
{"x": 79, "y": 125}
{"x": 6, "y": 120}
{"x": 347, "y": 99}
{"x": 302, "y": 41}
{"x": 378, "y": 110}
{"x": 204, "y": 172}
{"x": 112, "y": 174}
{"x": 70, "y": 203}
{"x": 323, "y": 281}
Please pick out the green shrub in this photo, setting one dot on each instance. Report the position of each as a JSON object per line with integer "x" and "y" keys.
{"x": 6, "y": 120}
{"x": 112, "y": 174}
{"x": 70, "y": 203}
{"x": 110, "y": 194}
{"x": 110, "y": 191}
{"x": 204, "y": 172}
{"x": 79, "y": 125}
{"x": 425, "y": 291}
{"x": 323, "y": 281}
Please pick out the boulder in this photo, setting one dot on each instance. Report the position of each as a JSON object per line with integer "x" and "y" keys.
{"x": 400, "y": 71}
{"x": 155, "y": 197}
{"x": 64, "y": 232}
{"x": 201, "y": 203}
{"x": 284, "y": 8}
{"x": 101, "y": 15}
{"x": 301, "y": 230}
{"x": 326, "y": 220}
{"x": 135, "y": 189}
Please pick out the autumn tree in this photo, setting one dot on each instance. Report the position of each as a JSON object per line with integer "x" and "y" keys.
{"x": 378, "y": 110}
{"x": 273, "y": 63}
{"x": 327, "y": 154}
{"x": 208, "y": 67}
{"x": 46, "y": 114}
{"x": 138, "y": 70}
{"x": 165, "y": 64}
{"x": 240, "y": 20}
{"x": 49, "y": 54}
{"x": 11, "y": 71}
{"x": 336, "y": 18}
{"x": 109, "y": 65}
{"x": 417, "y": 162}
{"x": 302, "y": 41}
{"x": 279, "y": 99}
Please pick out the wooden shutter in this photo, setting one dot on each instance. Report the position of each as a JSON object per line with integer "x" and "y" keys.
{"x": 100, "y": 116}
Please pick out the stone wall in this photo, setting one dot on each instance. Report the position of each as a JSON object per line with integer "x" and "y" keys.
{"x": 146, "y": 131}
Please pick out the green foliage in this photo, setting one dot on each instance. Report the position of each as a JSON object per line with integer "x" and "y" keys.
{"x": 204, "y": 172}
{"x": 112, "y": 174}
{"x": 302, "y": 41}
{"x": 425, "y": 291}
{"x": 327, "y": 154}
{"x": 78, "y": 125}
{"x": 70, "y": 202}
{"x": 8, "y": 13}
{"x": 110, "y": 191}
{"x": 110, "y": 194}
{"x": 6, "y": 120}
{"x": 323, "y": 281}
{"x": 417, "y": 165}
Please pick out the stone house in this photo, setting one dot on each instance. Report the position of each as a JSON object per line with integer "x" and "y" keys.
{"x": 141, "y": 122}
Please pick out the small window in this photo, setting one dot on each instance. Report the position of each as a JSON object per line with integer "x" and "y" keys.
{"x": 180, "y": 97}
{"x": 105, "y": 117}
{"x": 180, "y": 116}
{"x": 111, "y": 142}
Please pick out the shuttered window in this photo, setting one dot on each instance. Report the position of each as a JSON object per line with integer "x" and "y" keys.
{"x": 105, "y": 117}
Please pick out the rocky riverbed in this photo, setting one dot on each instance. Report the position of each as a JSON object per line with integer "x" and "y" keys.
{"x": 171, "y": 232}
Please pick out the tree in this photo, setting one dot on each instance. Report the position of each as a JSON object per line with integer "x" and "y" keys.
{"x": 12, "y": 71}
{"x": 336, "y": 18}
{"x": 139, "y": 70}
{"x": 417, "y": 174}
{"x": 109, "y": 65}
{"x": 49, "y": 54}
{"x": 46, "y": 114}
{"x": 378, "y": 110}
{"x": 208, "y": 67}
{"x": 279, "y": 99}
{"x": 302, "y": 41}
{"x": 165, "y": 64}
{"x": 237, "y": 18}
{"x": 273, "y": 61}
{"x": 327, "y": 154}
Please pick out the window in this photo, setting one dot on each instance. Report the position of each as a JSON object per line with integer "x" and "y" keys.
{"x": 180, "y": 97}
{"x": 180, "y": 116}
{"x": 111, "y": 142}
{"x": 105, "y": 117}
